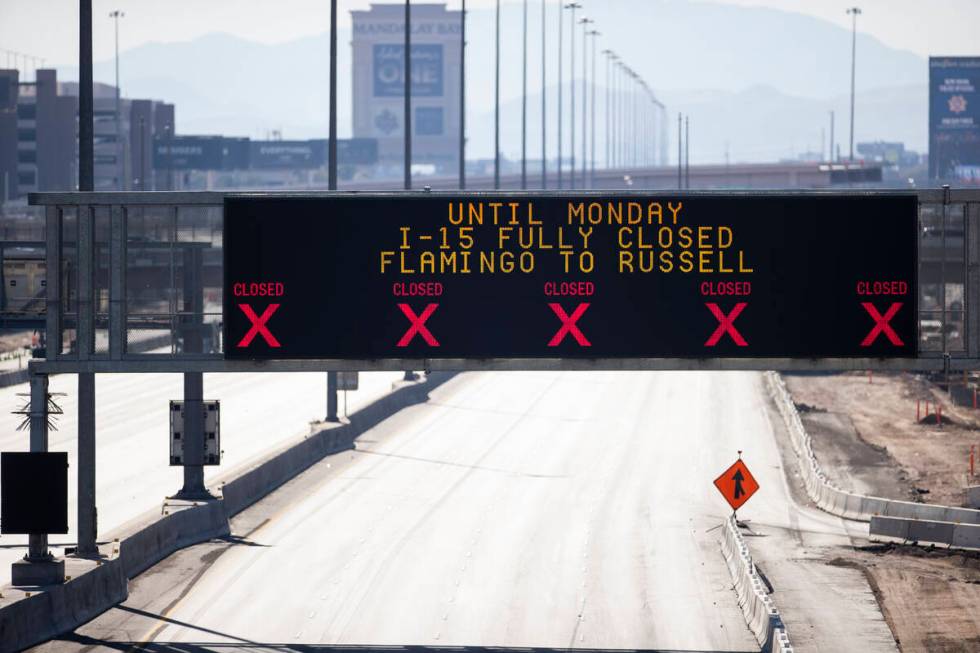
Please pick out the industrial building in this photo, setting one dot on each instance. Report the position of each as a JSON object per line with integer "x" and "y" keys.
{"x": 39, "y": 136}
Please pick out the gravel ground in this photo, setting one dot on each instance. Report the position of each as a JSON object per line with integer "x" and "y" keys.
{"x": 866, "y": 438}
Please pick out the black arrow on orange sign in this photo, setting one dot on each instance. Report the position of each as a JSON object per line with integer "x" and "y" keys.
{"x": 738, "y": 478}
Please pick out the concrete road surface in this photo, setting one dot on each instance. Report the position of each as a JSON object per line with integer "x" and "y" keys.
{"x": 258, "y": 412}
{"x": 514, "y": 509}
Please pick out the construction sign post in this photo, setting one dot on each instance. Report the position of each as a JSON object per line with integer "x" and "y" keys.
{"x": 737, "y": 484}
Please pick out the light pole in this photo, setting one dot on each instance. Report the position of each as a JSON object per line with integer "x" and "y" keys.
{"x": 524, "y": 102}
{"x": 496, "y": 104}
{"x": 544, "y": 96}
{"x": 854, "y": 12}
{"x": 120, "y": 171}
{"x": 571, "y": 79}
{"x": 595, "y": 37}
{"x": 332, "y": 176}
{"x": 462, "y": 97}
{"x": 332, "y": 143}
{"x": 407, "y": 120}
{"x": 561, "y": 27}
{"x": 609, "y": 56}
{"x": 585, "y": 97}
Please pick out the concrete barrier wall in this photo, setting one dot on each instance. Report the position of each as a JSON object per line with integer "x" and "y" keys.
{"x": 57, "y": 609}
{"x": 760, "y": 614}
{"x": 60, "y": 608}
{"x": 903, "y": 529}
{"x": 832, "y": 499}
{"x": 973, "y": 496}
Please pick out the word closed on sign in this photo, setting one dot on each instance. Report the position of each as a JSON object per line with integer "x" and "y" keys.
{"x": 557, "y": 276}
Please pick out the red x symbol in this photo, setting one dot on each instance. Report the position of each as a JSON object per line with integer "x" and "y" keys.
{"x": 568, "y": 325}
{"x": 418, "y": 325}
{"x": 725, "y": 324}
{"x": 258, "y": 325}
{"x": 881, "y": 324}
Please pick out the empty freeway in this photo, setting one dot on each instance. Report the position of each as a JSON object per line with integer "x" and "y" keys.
{"x": 514, "y": 509}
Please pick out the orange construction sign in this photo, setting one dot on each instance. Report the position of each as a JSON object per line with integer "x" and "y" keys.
{"x": 736, "y": 484}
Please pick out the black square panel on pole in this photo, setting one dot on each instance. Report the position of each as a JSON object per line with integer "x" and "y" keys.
{"x": 34, "y": 492}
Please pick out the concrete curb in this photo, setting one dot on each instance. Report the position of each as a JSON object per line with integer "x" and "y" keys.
{"x": 832, "y": 499}
{"x": 96, "y": 587}
{"x": 761, "y": 616}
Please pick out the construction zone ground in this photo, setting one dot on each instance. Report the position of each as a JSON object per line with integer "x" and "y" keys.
{"x": 870, "y": 438}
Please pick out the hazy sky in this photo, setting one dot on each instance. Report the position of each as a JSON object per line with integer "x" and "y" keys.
{"x": 48, "y": 28}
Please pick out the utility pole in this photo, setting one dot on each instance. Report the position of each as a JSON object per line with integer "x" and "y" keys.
{"x": 408, "y": 95}
{"x": 571, "y": 79}
{"x": 120, "y": 154}
{"x": 854, "y": 12}
{"x": 496, "y": 103}
{"x": 462, "y": 97}
{"x": 524, "y": 103}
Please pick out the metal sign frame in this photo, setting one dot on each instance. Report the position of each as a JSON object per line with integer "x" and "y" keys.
{"x": 116, "y": 358}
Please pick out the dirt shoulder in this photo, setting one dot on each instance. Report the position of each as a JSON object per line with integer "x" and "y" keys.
{"x": 929, "y": 597}
{"x": 867, "y": 439}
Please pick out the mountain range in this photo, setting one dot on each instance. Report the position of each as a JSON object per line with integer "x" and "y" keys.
{"x": 757, "y": 83}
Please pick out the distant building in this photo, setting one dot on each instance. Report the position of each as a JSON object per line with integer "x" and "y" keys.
{"x": 379, "y": 82}
{"x": 889, "y": 154}
{"x": 39, "y": 136}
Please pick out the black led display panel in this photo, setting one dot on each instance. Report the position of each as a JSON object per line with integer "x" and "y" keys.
{"x": 546, "y": 275}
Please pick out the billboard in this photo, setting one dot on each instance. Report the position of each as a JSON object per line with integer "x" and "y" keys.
{"x": 535, "y": 275}
{"x": 288, "y": 154}
{"x": 188, "y": 153}
{"x": 954, "y": 118}
{"x": 357, "y": 151}
{"x": 389, "y": 70}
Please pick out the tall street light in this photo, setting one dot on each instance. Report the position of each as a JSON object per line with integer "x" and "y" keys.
{"x": 585, "y": 97}
{"x": 854, "y": 12}
{"x": 572, "y": 6}
{"x": 408, "y": 96}
{"x": 496, "y": 104}
{"x": 332, "y": 143}
{"x": 331, "y": 176}
{"x": 524, "y": 103}
{"x": 609, "y": 56}
{"x": 595, "y": 37}
{"x": 462, "y": 97}
{"x": 561, "y": 26}
{"x": 544, "y": 96}
{"x": 120, "y": 155}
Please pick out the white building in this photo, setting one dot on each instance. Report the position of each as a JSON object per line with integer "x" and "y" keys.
{"x": 379, "y": 82}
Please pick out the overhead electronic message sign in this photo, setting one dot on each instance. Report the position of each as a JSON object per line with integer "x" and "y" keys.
{"x": 505, "y": 276}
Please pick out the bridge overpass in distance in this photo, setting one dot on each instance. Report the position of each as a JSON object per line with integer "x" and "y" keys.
{"x": 747, "y": 176}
